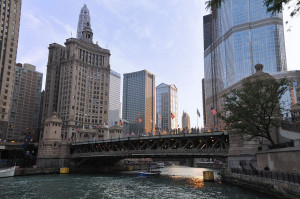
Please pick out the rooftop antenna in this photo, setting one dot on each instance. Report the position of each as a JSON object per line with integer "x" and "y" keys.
{"x": 71, "y": 35}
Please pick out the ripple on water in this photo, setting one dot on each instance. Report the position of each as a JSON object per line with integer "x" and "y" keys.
{"x": 175, "y": 182}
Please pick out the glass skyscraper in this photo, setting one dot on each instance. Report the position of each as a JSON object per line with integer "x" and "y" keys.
{"x": 237, "y": 36}
{"x": 166, "y": 103}
{"x": 139, "y": 102}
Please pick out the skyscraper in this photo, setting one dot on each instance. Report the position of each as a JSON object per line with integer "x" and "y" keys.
{"x": 166, "y": 107}
{"x": 25, "y": 106}
{"x": 77, "y": 84}
{"x": 114, "y": 108}
{"x": 84, "y": 19}
{"x": 9, "y": 22}
{"x": 139, "y": 101}
{"x": 55, "y": 57}
{"x": 185, "y": 119}
{"x": 241, "y": 34}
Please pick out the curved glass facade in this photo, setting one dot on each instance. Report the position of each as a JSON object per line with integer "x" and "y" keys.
{"x": 242, "y": 34}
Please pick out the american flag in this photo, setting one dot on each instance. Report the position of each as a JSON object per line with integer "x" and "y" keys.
{"x": 172, "y": 116}
{"x": 214, "y": 112}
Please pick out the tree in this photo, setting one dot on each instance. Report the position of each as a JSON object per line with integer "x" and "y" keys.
{"x": 273, "y": 6}
{"x": 255, "y": 108}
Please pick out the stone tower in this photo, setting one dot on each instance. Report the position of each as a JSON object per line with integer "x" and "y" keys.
{"x": 53, "y": 151}
{"x": 77, "y": 83}
{"x": 84, "y": 19}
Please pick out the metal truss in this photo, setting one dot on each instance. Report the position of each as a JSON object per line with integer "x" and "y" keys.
{"x": 180, "y": 145}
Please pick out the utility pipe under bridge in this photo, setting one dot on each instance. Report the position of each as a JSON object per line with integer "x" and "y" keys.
{"x": 163, "y": 146}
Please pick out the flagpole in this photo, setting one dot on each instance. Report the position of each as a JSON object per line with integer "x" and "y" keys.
{"x": 197, "y": 121}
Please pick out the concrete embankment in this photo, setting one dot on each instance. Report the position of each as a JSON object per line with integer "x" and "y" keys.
{"x": 35, "y": 171}
{"x": 276, "y": 188}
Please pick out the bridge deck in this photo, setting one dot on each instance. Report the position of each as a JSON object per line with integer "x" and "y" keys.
{"x": 190, "y": 135}
{"x": 180, "y": 145}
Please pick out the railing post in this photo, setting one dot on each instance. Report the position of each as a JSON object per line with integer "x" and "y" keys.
{"x": 293, "y": 178}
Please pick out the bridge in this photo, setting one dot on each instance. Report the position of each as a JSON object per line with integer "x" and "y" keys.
{"x": 160, "y": 146}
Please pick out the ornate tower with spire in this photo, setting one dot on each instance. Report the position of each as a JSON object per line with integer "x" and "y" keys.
{"x": 84, "y": 20}
{"x": 77, "y": 84}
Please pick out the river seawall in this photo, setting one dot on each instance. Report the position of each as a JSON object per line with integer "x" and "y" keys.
{"x": 276, "y": 188}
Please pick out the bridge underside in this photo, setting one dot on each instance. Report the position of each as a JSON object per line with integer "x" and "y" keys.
{"x": 174, "y": 146}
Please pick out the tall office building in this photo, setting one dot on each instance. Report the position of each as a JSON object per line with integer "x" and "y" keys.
{"x": 25, "y": 106}
{"x": 241, "y": 34}
{"x": 114, "y": 108}
{"x": 166, "y": 107}
{"x": 77, "y": 84}
{"x": 185, "y": 120}
{"x": 291, "y": 98}
{"x": 84, "y": 19}
{"x": 139, "y": 101}
{"x": 55, "y": 58}
{"x": 10, "y": 12}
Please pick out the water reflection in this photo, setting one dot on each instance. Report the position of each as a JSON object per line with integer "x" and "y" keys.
{"x": 174, "y": 182}
{"x": 196, "y": 183}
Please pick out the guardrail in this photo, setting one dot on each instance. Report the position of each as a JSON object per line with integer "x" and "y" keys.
{"x": 97, "y": 141}
{"x": 274, "y": 175}
{"x": 158, "y": 152}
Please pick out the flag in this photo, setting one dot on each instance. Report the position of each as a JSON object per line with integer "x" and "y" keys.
{"x": 172, "y": 116}
{"x": 140, "y": 120}
{"x": 90, "y": 126}
{"x": 214, "y": 112}
{"x": 198, "y": 113}
{"x": 121, "y": 123}
{"x": 98, "y": 126}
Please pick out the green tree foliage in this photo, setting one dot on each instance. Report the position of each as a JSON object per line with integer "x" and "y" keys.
{"x": 254, "y": 108}
{"x": 273, "y": 6}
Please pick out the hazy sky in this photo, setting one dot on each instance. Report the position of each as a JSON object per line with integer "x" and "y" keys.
{"x": 164, "y": 37}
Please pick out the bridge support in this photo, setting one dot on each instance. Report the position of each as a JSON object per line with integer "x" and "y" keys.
{"x": 53, "y": 151}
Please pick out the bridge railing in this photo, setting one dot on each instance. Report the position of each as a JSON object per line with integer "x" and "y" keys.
{"x": 275, "y": 175}
{"x": 91, "y": 141}
{"x": 155, "y": 152}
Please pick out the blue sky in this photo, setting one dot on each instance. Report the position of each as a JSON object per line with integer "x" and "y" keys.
{"x": 162, "y": 36}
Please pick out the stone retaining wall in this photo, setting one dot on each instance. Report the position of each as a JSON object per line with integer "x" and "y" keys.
{"x": 276, "y": 188}
{"x": 286, "y": 159}
{"x": 34, "y": 171}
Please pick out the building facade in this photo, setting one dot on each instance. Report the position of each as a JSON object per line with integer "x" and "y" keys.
{"x": 139, "y": 102}
{"x": 25, "y": 106}
{"x": 56, "y": 56}
{"x": 185, "y": 119}
{"x": 10, "y": 12}
{"x": 114, "y": 108}
{"x": 77, "y": 86}
{"x": 291, "y": 98}
{"x": 166, "y": 104}
{"x": 241, "y": 34}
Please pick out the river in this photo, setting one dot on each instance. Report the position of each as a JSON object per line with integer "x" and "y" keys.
{"x": 174, "y": 182}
